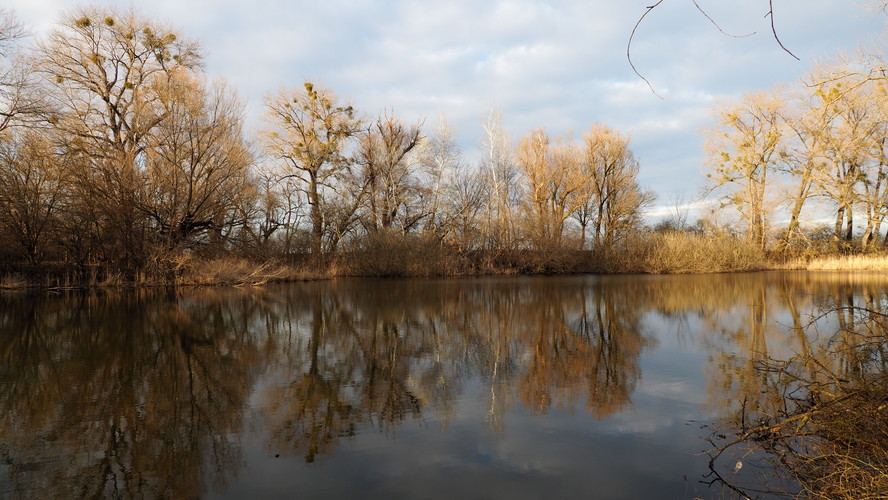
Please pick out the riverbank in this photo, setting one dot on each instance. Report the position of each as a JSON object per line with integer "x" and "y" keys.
{"x": 656, "y": 253}
{"x": 837, "y": 263}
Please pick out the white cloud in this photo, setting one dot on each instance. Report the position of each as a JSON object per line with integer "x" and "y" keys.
{"x": 554, "y": 63}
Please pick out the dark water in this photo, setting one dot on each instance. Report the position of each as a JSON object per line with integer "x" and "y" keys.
{"x": 562, "y": 387}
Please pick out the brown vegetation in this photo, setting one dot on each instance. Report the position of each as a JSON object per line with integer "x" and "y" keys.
{"x": 839, "y": 263}
{"x": 826, "y": 140}
{"x": 121, "y": 163}
{"x": 820, "y": 426}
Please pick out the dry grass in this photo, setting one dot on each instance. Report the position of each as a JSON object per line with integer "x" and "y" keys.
{"x": 676, "y": 252}
{"x": 838, "y": 263}
{"x": 13, "y": 282}
{"x": 388, "y": 253}
{"x": 230, "y": 271}
{"x": 681, "y": 252}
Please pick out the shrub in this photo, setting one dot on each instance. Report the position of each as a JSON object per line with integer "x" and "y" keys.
{"x": 390, "y": 253}
{"x": 677, "y": 252}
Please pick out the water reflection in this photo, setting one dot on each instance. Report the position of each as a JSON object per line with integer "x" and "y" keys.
{"x": 812, "y": 423}
{"x": 377, "y": 353}
{"x": 148, "y": 394}
{"x": 130, "y": 395}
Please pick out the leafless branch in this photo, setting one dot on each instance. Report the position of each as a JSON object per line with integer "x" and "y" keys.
{"x": 711, "y": 20}
{"x": 649, "y": 8}
{"x": 10, "y": 29}
{"x": 629, "y": 46}
{"x": 774, "y": 30}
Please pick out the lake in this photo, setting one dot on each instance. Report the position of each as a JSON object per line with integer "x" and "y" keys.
{"x": 506, "y": 387}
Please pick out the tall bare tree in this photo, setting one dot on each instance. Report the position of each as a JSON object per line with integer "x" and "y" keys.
{"x": 553, "y": 183}
{"x": 308, "y": 131}
{"x": 802, "y": 154}
{"x": 103, "y": 65}
{"x": 389, "y": 170}
{"x": 612, "y": 198}
{"x": 501, "y": 179}
{"x": 196, "y": 164}
{"x": 743, "y": 152}
{"x": 874, "y": 195}
{"x": 849, "y": 137}
{"x": 440, "y": 157}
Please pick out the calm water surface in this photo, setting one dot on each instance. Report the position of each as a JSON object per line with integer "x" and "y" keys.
{"x": 555, "y": 387}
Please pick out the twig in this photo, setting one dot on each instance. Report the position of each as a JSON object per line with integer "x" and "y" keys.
{"x": 711, "y": 20}
{"x": 774, "y": 30}
{"x": 629, "y": 46}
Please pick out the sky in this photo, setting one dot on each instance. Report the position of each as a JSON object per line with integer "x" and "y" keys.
{"x": 558, "y": 64}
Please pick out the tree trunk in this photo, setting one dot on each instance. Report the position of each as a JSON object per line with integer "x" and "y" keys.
{"x": 317, "y": 227}
{"x": 795, "y": 214}
{"x": 840, "y": 218}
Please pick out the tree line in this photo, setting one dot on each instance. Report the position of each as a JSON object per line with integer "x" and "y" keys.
{"x": 788, "y": 153}
{"x": 117, "y": 151}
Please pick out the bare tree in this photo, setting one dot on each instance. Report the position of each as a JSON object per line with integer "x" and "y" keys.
{"x": 874, "y": 195}
{"x": 104, "y": 66}
{"x": 802, "y": 157}
{"x": 32, "y": 191}
{"x": 389, "y": 170}
{"x": 742, "y": 156}
{"x": 464, "y": 205}
{"x": 850, "y": 136}
{"x": 502, "y": 178}
{"x": 612, "y": 198}
{"x": 19, "y": 100}
{"x": 553, "y": 178}
{"x": 196, "y": 165}
{"x": 440, "y": 158}
{"x": 307, "y": 130}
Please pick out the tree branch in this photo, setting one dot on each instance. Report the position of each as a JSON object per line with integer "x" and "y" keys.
{"x": 774, "y": 30}
{"x": 629, "y": 46}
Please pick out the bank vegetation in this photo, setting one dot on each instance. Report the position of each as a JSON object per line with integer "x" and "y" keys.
{"x": 121, "y": 162}
{"x": 815, "y": 426}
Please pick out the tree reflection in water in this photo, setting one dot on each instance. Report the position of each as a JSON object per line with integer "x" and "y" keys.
{"x": 151, "y": 393}
{"x": 124, "y": 395}
{"x": 812, "y": 423}
{"x": 369, "y": 354}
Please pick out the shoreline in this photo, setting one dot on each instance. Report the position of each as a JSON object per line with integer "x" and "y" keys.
{"x": 240, "y": 273}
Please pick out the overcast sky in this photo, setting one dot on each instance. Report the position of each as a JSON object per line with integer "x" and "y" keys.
{"x": 560, "y": 64}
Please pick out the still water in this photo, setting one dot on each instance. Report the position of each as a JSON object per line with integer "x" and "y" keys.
{"x": 532, "y": 387}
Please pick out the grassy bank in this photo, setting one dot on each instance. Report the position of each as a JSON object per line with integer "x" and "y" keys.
{"x": 393, "y": 255}
{"x": 185, "y": 271}
{"x": 837, "y": 263}
{"x": 396, "y": 255}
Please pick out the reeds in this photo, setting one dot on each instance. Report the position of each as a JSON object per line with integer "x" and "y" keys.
{"x": 839, "y": 263}
{"x": 391, "y": 253}
{"x": 388, "y": 253}
{"x": 678, "y": 252}
{"x": 229, "y": 271}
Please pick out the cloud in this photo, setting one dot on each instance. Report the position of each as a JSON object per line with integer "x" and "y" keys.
{"x": 560, "y": 64}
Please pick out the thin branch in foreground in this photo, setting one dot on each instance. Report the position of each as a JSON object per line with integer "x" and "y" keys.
{"x": 711, "y": 20}
{"x": 774, "y": 30}
{"x": 629, "y": 46}
{"x": 649, "y": 8}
